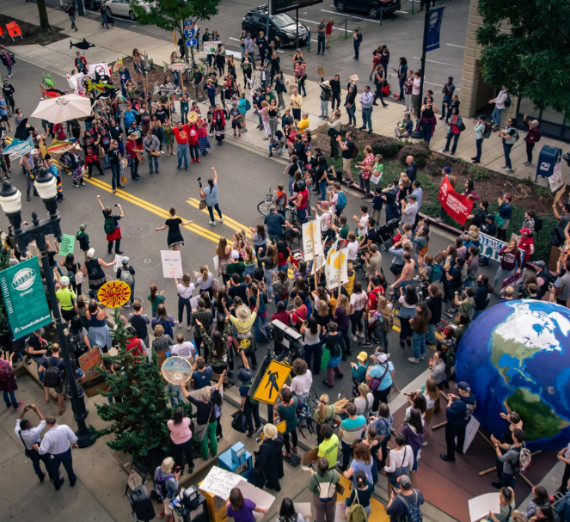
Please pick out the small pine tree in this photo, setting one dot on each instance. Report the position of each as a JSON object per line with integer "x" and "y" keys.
{"x": 138, "y": 422}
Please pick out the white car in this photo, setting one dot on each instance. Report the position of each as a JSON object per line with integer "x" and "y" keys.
{"x": 125, "y": 8}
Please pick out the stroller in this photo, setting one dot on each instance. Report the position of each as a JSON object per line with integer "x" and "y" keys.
{"x": 386, "y": 232}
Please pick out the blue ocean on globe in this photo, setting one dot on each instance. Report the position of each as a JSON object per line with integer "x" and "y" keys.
{"x": 517, "y": 354}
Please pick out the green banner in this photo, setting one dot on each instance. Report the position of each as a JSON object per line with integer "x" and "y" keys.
{"x": 67, "y": 245}
{"x": 25, "y": 297}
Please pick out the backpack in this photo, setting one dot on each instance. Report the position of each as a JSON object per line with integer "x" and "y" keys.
{"x": 127, "y": 277}
{"x": 516, "y": 136}
{"x": 508, "y": 101}
{"x": 158, "y": 492}
{"x": 488, "y": 130}
{"x": 109, "y": 225}
{"x": 388, "y": 323}
{"x": 412, "y": 510}
{"x": 356, "y": 512}
{"x": 375, "y": 382}
{"x": 341, "y": 201}
{"x": 525, "y": 458}
{"x": 239, "y": 422}
{"x": 165, "y": 324}
{"x": 76, "y": 343}
{"x": 52, "y": 377}
{"x": 355, "y": 151}
{"x": 537, "y": 224}
{"x": 327, "y": 493}
{"x": 247, "y": 105}
{"x": 436, "y": 273}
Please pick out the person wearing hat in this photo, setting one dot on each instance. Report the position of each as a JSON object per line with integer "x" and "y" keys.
{"x": 249, "y": 406}
{"x": 458, "y": 413}
{"x": 359, "y": 368}
{"x": 134, "y": 152}
{"x": 244, "y": 321}
{"x": 526, "y": 245}
{"x": 126, "y": 273}
{"x": 326, "y": 95}
{"x": 83, "y": 239}
{"x": 166, "y": 477}
{"x": 404, "y": 501}
{"x": 409, "y": 210}
{"x": 66, "y": 298}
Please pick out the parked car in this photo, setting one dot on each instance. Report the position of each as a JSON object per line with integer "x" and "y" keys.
{"x": 281, "y": 24}
{"x": 370, "y": 7}
{"x": 125, "y": 7}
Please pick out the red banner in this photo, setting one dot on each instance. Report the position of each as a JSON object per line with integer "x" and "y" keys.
{"x": 456, "y": 205}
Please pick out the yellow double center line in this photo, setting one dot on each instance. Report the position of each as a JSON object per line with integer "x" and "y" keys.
{"x": 197, "y": 229}
{"x": 232, "y": 223}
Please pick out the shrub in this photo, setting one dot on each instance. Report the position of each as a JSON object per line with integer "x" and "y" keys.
{"x": 388, "y": 147}
{"x": 420, "y": 152}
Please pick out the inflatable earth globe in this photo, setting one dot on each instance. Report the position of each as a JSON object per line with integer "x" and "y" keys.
{"x": 517, "y": 355}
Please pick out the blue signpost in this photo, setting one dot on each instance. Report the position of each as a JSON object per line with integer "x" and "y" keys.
{"x": 191, "y": 43}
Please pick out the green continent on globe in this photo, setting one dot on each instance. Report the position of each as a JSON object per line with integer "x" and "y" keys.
{"x": 540, "y": 421}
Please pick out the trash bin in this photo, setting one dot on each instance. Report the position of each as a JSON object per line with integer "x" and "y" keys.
{"x": 547, "y": 160}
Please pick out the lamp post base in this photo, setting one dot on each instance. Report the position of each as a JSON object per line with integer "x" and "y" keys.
{"x": 85, "y": 438}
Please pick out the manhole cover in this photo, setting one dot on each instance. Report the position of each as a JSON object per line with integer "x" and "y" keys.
{"x": 147, "y": 261}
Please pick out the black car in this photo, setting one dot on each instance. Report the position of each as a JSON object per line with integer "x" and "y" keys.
{"x": 282, "y": 25}
{"x": 370, "y": 7}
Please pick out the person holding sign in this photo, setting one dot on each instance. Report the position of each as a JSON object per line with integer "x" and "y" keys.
{"x": 173, "y": 224}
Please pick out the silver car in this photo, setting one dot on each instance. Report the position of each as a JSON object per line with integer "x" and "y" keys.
{"x": 125, "y": 7}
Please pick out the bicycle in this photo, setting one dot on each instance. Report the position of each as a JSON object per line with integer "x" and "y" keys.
{"x": 264, "y": 206}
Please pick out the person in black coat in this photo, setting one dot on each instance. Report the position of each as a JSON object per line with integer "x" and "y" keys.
{"x": 269, "y": 460}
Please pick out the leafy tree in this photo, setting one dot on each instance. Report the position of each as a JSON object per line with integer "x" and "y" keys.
{"x": 525, "y": 47}
{"x": 170, "y": 14}
{"x": 138, "y": 423}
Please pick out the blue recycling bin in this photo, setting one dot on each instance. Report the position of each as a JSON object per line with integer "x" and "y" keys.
{"x": 548, "y": 158}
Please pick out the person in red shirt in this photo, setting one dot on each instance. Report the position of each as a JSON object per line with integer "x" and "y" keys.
{"x": 182, "y": 134}
{"x": 302, "y": 201}
{"x": 133, "y": 152}
{"x": 80, "y": 63}
{"x": 135, "y": 345}
{"x": 328, "y": 31}
{"x": 526, "y": 245}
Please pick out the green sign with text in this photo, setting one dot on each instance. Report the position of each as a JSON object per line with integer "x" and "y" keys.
{"x": 25, "y": 297}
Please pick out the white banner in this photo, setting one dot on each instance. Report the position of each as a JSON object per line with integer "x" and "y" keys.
{"x": 100, "y": 68}
{"x": 75, "y": 83}
{"x": 490, "y": 246}
{"x": 312, "y": 244}
{"x": 171, "y": 264}
{"x": 556, "y": 180}
{"x": 338, "y": 269}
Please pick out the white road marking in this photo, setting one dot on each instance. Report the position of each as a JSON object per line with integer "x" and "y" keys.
{"x": 455, "y": 45}
{"x": 439, "y": 63}
{"x": 358, "y": 18}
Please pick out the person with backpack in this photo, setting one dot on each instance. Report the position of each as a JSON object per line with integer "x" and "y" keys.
{"x": 379, "y": 378}
{"x": 126, "y": 273}
{"x": 510, "y": 136}
{"x": 458, "y": 413}
{"x": 511, "y": 459}
{"x": 53, "y": 366}
{"x": 166, "y": 478}
{"x": 322, "y": 485}
{"x": 358, "y": 506}
{"x": 405, "y": 503}
{"x": 112, "y": 227}
{"x": 140, "y": 322}
{"x": 77, "y": 339}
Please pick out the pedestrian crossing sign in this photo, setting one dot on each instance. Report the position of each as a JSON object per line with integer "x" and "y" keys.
{"x": 273, "y": 378}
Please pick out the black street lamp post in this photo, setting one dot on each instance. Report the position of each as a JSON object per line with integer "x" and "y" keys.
{"x": 11, "y": 202}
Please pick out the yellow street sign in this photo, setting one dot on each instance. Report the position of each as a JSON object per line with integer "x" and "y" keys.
{"x": 273, "y": 379}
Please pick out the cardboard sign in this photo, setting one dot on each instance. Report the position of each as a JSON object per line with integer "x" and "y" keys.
{"x": 211, "y": 47}
{"x": 556, "y": 180}
{"x": 312, "y": 239}
{"x": 67, "y": 245}
{"x": 456, "y": 205}
{"x": 89, "y": 361}
{"x": 171, "y": 264}
{"x": 338, "y": 270}
{"x": 271, "y": 382}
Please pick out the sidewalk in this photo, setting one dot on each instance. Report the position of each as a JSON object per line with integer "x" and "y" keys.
{"x": 114, "y": 43}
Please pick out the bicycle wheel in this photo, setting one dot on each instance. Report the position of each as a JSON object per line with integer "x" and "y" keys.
{"x": 263, "y": 207}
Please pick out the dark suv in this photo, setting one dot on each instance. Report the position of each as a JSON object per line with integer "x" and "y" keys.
{"x": 370, "y": 7}
{"x": 282, "y": 25}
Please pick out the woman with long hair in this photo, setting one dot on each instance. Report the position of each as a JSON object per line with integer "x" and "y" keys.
{"x": 98, "y": 332}
{"x": 210, "y": 195}
{"x": 223, "y": 251}
{"x": 361, "y": 492}
{"x": 155, "y": 297}
{"x": 408, "y": 302}
{"x": 358, "y": 302}
{"x": 173, "y": 224}
{"x": 241, "y": 509}
{"x": 164, "y": 319}
{"x": 205, "y": 280}
{"x": 413, "y": 430}
{"x": 287, "y": 511}
{"x": 362, "y": 461}
{"x": 324, "y": 414}
{"x": 184, "y": 290}
{"x": 181, "y": 438}
{"x": 312, "y": 346}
